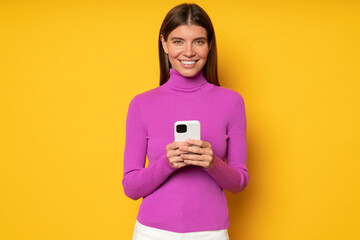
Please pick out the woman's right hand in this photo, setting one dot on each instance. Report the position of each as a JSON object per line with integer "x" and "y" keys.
{"x": 173, "y": 154}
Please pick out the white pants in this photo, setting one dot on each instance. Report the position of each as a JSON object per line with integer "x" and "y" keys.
{"x": 142, "y": 232}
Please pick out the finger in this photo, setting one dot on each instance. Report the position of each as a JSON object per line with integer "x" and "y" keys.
{"x": 195, "y": 157}
{"x": 193, "y": 149}
{"x": 206, "y": 159}
{"x": 176, "y": 153}
{"x": 182, "y": 144}
{"x": 177, "y": 162}
{"x": 176, "y": 159}
{"x": 180, "y": 165}
{"x": 197, "y": 142}
{"x": 173, "y": 145}
{"x": 169, "y": 146}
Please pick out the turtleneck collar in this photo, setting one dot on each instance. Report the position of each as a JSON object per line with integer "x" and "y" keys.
{"x": 186, "y": 86}
{"x": 178, "y": 81}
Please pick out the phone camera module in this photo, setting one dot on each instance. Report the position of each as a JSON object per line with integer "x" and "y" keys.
{"x": 181, "y": 128}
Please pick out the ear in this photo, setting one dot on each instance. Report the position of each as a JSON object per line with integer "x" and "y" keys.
{"x": 164, "y": 44}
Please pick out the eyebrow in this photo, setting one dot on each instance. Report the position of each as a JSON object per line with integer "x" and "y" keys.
{"x": 199, "y": 38}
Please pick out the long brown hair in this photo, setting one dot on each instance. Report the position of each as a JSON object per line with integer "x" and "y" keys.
{"x": 183, "y": 14}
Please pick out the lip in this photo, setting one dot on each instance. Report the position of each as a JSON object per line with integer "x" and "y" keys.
{"x": 188, "y": 65}
{"x": 189, "y": 60}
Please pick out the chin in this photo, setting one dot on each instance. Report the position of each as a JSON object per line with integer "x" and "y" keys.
{"x": 189, "y": 73}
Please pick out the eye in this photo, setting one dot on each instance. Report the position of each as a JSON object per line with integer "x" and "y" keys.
{"x": 177, "y": 42}
{"x": 200, "y": 42}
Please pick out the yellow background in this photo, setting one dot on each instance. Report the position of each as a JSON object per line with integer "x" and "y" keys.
{"x": 68, "y": 70}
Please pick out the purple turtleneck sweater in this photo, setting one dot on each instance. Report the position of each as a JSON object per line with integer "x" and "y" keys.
{"x": 190, "y": 198}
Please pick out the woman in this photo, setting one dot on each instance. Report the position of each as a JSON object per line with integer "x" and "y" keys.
{"x": 183, "y": 186}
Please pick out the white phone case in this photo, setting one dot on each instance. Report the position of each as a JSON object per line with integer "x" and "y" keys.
{"x": 192, "y": 130}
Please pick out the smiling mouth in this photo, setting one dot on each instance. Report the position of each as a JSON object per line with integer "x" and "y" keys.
{"x": 187, "y": 62}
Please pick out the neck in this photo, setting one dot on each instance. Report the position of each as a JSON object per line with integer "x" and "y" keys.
{"x": 186, "y": 87}
{"x": 177, "y": 80}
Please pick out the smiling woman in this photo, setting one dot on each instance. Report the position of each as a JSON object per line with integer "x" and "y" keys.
{"x": 183, "y": 186}
{"x": 187, "y": 49}
{"x": 201, "y": 39}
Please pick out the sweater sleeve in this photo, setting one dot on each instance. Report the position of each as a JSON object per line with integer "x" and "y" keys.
{"x": 233, "y": 175}
{"x": 139, "y": 181}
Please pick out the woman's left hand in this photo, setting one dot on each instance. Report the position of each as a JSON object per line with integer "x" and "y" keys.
{"x": 204, "y": 155}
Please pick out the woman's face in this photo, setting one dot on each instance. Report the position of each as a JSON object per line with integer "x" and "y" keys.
{"x": 187, "y": 48}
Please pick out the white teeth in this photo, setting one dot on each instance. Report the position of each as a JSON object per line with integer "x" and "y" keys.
{"x": 188, "y": 62}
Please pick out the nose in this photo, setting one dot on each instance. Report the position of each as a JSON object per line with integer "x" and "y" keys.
{"x": 188, "y": 51}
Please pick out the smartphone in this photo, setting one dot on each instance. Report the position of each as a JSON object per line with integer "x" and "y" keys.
{"x": 186, "y": 129}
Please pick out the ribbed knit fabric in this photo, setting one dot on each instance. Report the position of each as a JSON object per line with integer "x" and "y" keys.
{"x": 190, "y": 198}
